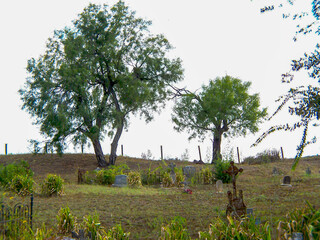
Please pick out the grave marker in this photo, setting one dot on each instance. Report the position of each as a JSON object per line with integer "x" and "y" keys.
{"x": 120, "y": 181}
{"x": 172, "y": 173}
{"x": 219, "y": 186}
{"x": 286, "y": 181}
{"x": 189, "y": 172}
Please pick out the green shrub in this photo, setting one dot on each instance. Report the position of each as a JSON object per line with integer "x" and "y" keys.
{"x": 306, "y": 221}
{"x": 21, "y": 184}
{"x": 237, "y": 230}
{"x": 9, "y": 171}
{"x": 116, "y": 233}
{"x": 92, "y": 226}
{"x": 220, "y": 168}
{"x": 134, "y": 179}
{"x": 175, "y": 230}
{"x": 179, "y": 178}
{"x": 167, "y": 180}
{"x": 206, "y": 175}
{"x": 66, "y": 222}
{"x": 107, "y": 176}
{"x": 52, "y": 185}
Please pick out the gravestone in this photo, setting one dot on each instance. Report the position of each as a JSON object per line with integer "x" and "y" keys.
{"x": 286, "y": 181}
{"x": 308, "y": 171}
{"x": 297, "y": 236}
{"x": 189, "y": 172}
{"x": 236, "y": 207}
{"x": 275, "y": 171}
{"x": 219, "y": 186}
{"x": 172, "y": 173}
{"x": 120, "y": 181}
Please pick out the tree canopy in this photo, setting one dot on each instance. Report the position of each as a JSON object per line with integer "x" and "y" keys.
{"x": 224, "y": 107}
{"x": 96, "y": 73}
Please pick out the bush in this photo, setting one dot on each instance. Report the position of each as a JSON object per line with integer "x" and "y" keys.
{"x": 117, "y": 233}
{"x": 92, "y": 226}
{"x": 52, "y": 185}
{"x": 176, "y": 229}
{"x": 266, "y": 156}
{"x": 167, "y": 180}
{"x": 134, "y": 179}
{"x": 220, "y": 167}
{"x": 8, "y": 172}
{"x": 179, "y": 178}
{"x": 206, "y": 175}
{"x": 107, "y": 176}
{"x": 236, "y": 229}
{"x": 21, "y": 184}
{"x": 66, "y": 221}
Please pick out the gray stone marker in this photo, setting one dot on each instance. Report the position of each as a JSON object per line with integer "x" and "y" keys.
{"x": 219, "y": 186}
{"x": 286, "y": 181}
{"x": 275, "y": 171}
{"x": 189, "y": 172}
{"x": 120, "y": 181}
{"x": 297, "y": 236}
{"x": 308, "y": 171}
{"x": 172, "y": 173}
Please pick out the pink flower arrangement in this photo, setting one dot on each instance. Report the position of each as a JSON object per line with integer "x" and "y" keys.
{"x": 187, "y": 190}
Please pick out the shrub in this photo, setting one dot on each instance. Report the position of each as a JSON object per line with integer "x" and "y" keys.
{"x": 220, "y": 167}
{"x": 52, "y": 185}
{"x": 134, "y": 179}
{"x": 167, "y": 180}
{"x": 206, "y": 175}
{"x": 306, "y": 221}
{"x": 236, "y": 229}
{"x": 66, "y": 221}
{"x": 21, "y": 184}
{"x": 8, "y": 172}
{"x": 92, "y": 226}
{"x": 116, "y": 233}
{"x": 176, "y": 229}
{"x": 266, "y": 156}
{"x": 107, "y": 176}
{"x": 179, "y": 178}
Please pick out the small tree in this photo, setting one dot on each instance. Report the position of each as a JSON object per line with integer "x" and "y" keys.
{"x": 222, "y": 107}
{"x": 95, "y": 74}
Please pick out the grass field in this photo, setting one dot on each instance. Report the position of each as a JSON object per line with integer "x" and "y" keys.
{"x": 142, "y": 211}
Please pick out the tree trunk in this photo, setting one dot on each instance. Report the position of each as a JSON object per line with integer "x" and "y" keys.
{"x": 114, "y": 145}
{"x": 216, "y": 145}
{"x": 99, "y": 153}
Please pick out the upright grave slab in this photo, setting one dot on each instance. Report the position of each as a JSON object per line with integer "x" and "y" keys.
{"x": 188, "y": 172}
{"x": 120, "y": 181}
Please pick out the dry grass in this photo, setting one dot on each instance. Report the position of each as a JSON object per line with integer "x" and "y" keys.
{"x": 142, "y": 211}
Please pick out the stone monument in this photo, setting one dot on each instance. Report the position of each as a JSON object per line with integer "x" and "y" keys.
{"x": 172, "y": 173}
{"x": 219, "y": 186}
{"x": 120, "y": 181}
{"x": 189, "y": 172}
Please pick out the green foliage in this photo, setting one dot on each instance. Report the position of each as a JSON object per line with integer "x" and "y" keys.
{"x": 108, "y": 175}
{"x": 179, "y": 178}
{"x": 306, "y": 221}
{"x": 134, "y": 179}
{"x": 52, "y": 185}
{"x": 9, "y": 171}
{"x": 66, "y": 222}
{"x": 175, "y": 230}
{"x": 220, "y": 167}
{"x": 96, "y": 73}
{"x": 206, "y": 175}
{"x": 237, "y": 230}
{"x": 22, "y": 185}
{"x": 267, "y": 156}
{"x": 92, "y": 226}
{"x": 116, "y": 233}
{"x": 167, "y": 180}
{"x": 224, "y": 107}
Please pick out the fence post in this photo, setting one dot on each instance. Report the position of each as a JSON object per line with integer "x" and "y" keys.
{"x": 121, "y": 149}
{"x": 238, "y": 155}
{"x": 31, "y": 209}
{"x": 281, "y": 153}
{"x": 199, "y": 153}
{"x": 6, "y": 148}
{"x": 46, "y": 148}
{"x": 161, "y": 152}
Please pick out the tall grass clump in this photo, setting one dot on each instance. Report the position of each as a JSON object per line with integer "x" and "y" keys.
{"x": 66, "y": 222}
{"x": 134, "y": 180}
{"x": 175, "y": 230}
{"x": 108, "y": 175}
{"x": 206, "y": 175}
{"x": 92, "y": 226}
{"x": 116, "y": 233}
{"x": 21, "y": 185}
{"x": 52, "y": 185}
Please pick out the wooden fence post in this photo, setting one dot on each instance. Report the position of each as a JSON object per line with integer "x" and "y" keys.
{"x": 6, "y": 148}
{"x": 161, "y": 152}
{"x": 199, "y": 153}
{"x": 281, "y": 153}
{"x": 82, "y": 148}
{"x": 238, "y": 155}
{"x": 121, "y": 149}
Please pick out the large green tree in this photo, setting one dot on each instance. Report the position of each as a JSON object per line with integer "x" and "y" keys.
{"x": 224, "y": 107}
{"x": 96, "y": 73}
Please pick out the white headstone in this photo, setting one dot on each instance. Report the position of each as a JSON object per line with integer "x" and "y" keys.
{"x": 219, "y": 186}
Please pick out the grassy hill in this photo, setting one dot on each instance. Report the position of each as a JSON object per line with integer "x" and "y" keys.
{"x": 143, "y": 211}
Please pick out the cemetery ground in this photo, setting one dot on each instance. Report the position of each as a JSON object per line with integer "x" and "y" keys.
{"x": 143, "y": 211}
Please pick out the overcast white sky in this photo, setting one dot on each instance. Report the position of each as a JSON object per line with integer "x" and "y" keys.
{"x": 212, "y": 37}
